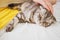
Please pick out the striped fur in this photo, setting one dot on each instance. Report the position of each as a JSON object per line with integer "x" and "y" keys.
{"x": 32, "y": 13}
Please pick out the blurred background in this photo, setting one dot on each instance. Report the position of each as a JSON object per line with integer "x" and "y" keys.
{"x": 35, "y": 32}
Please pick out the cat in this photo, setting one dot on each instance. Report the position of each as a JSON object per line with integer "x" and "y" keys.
{"x": 31, "y": 13}
{"x": 37, "y": 14}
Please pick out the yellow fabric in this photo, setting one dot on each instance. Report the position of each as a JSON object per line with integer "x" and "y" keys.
{"x": 6, "y": 15}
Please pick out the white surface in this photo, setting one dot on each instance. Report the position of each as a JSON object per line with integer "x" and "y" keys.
{"x": 57, "y": 11}
{"x": 35, "y": 32}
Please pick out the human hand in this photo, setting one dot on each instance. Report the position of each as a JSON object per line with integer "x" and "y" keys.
{"x": 45, "y": 3}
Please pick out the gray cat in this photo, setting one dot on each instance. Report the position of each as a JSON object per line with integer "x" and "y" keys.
{"x": 31, "y": 13}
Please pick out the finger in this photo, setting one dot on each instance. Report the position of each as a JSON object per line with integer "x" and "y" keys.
{"x": 49, "y": 5}
{"x": 45, "y": 4}
{"x": 42, "y": 3}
